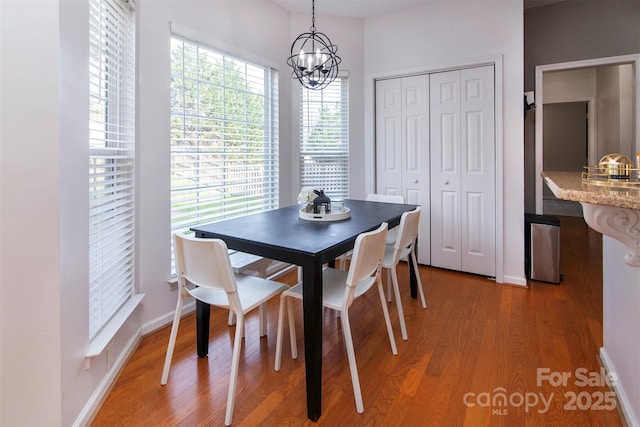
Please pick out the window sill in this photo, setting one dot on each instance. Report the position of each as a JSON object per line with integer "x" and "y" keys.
{"x": 102, "y": 340}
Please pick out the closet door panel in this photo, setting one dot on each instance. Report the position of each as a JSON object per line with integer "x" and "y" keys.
{"x": 445, "y": 170}
{"x": 478, "y": 170}
{"x": 389, "y": 137}
{"x": 415, "y": 155}
{"x": 450, "y": 241}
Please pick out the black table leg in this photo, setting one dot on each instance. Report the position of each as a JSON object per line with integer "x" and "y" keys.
{"x": 413, "y": 281}
{"x": 312, "y": 311}
{"x": 203, "y": 313}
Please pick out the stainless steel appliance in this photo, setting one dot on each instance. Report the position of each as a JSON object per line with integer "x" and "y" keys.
{"x": 542, "y": 248}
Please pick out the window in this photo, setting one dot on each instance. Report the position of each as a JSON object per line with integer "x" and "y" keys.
{"x": 224, "y": 136}
{"x": 324, "y": 135}
{"x": 111, "y": 159}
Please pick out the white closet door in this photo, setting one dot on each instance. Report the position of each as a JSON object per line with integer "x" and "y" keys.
{"x": 415, "y": 155}
{"x": 463, "y": 170}
{"x": 446, "y": 205}
{"x": 389, "y": 136}
{"x": 478, "y": 171}
{"x": 402, "y": 147}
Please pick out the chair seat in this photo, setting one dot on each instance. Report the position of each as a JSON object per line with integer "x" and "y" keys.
{"x": 392, "y": 235}
{"x": 252, "y": 292}
{"x": 241, "y": 262}
{"x": 333, "y": 281}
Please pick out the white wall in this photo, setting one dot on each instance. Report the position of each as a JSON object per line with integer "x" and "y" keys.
{"x": 445, "y": 34}
{"x": 30, "y": 314}
{"x": 621, "y": 325}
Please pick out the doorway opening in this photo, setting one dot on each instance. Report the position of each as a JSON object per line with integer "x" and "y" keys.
{"x": 578, "y": 82}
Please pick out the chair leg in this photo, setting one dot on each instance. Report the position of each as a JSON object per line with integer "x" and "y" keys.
{"x": 172, "y": 339}
{"x": 396, "y": 291}
{"x": 415, "y": 266}
{"x": 387, "y": 319}
{"x": 235, "y": 361}
{"x": 389, "y": 297}
{"x": 232, "y": 321}
{"x": 351, "y": 355}
{"x": 279, "y": 334}
{"x": 292, "y": 330}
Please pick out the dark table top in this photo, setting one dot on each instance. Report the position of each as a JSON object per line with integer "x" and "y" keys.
{"x": 281, "y": 234}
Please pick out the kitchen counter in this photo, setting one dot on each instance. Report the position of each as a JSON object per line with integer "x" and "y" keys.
{"x": 613, "y": 211}
{"x": 569, "y": 186}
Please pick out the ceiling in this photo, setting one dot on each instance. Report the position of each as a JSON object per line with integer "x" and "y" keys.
{"x": 349, "y": 8}
{"x": 369, "y": 8}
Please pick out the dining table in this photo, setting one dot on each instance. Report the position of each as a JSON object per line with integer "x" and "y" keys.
{"x": 281, "y": 234}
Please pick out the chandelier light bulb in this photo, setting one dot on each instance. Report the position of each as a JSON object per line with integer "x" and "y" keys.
{"x": 301, "y": 59}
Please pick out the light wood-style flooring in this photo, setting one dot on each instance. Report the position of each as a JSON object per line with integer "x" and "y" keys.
{"x": 476, "y": 343}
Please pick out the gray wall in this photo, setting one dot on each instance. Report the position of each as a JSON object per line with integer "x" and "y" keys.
{"x": 572, "y": 30}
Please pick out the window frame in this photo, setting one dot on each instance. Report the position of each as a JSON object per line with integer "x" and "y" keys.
{"x": 112, "y": 145}
{"x": 270, "y": 137}
{"x": 331, "y": 166}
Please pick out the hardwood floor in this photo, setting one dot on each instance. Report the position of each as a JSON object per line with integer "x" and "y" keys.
{"x": 476, "y": 343}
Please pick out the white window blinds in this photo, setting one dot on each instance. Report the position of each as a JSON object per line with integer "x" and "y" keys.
{"x": 224, "y": 135}
{"x": 111, "y": 158}
{"x": 324, "y": 136}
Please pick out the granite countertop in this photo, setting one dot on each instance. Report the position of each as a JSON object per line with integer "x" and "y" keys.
{"x": 570, "y": 186}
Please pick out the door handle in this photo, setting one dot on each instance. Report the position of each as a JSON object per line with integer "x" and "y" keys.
{"x": 415, "y": 182}
{"x": 446, "y": 183}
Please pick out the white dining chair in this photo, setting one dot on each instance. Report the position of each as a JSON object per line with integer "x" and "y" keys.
{"x": 339, "y": 289}
{"x": 391, "y": 233}
{"x": 404, "y": 248}
{"x": 204, "y": 263}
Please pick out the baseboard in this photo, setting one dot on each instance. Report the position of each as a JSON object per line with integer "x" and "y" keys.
{"x": 166, "y": 319}
{"x": 626, "y": 410}
{"x": 514, "y": 280}
{"x": 94, "y": 403}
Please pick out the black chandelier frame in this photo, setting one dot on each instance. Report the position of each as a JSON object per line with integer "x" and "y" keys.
{"x": 314, "y": 59}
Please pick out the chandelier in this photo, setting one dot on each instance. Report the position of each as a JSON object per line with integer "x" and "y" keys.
{"x": 313, "y": 57}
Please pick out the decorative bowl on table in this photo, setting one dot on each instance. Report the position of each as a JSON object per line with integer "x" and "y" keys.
{"x": 307, "y": 213}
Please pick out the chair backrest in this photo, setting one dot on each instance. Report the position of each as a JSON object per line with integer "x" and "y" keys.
{"x": 408, "y": 228}
{"x": 388, "y": 198}
{"x": 368, "y": 253}
{"x": 204, "y": 262}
